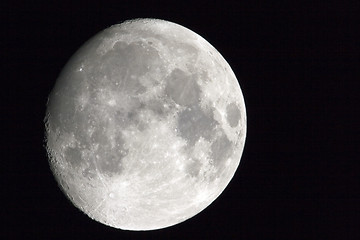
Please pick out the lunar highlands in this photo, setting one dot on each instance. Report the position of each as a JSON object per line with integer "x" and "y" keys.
{"x": 145, "y": 126}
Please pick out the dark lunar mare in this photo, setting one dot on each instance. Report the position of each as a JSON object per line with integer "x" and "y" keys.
{"x": 194, "y": 123}
{"x": 233, "y": 114}
{"x": 183, "y": 88}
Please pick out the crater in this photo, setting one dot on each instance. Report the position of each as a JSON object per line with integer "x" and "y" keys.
{"x": 111, "y": 195}
{"x": 182, "y": 88}
{"x": 194, "y": 123}
{"x": 233, "y": 114}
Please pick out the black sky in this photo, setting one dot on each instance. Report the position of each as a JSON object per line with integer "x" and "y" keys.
{"x": 298, "y": 67}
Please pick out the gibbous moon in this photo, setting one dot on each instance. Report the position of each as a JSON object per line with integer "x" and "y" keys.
{"x": 145, "y": 126}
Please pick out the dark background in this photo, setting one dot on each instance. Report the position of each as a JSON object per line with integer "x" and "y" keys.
{"x": 298, "y": 67}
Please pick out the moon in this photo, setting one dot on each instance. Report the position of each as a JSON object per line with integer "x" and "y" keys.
{"x": 145, "y": 126}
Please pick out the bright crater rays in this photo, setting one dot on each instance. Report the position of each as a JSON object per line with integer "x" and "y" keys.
{"x": 145, "y": 126}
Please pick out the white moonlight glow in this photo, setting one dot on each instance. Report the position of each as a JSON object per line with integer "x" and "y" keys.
{"x": 145, "y": 126}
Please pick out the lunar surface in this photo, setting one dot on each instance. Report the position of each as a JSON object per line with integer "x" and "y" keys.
{"x": 145, "y": 126}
